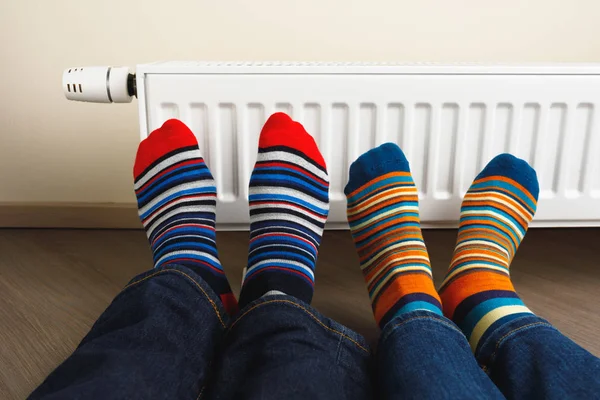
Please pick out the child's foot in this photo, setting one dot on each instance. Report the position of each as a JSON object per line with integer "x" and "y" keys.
{"x": 477, "y": 293}
{"x": 289, "y": 203}
{"x": 383, "y": 212}
{"x": 176, "y": 197}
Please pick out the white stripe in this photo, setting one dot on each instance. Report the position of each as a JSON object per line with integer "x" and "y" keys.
{"x": 396, "y": 259}
{"x": 391, "y": 276}
{"x": 507, "y": 201}
{"x": 151, "y": 226}
{"x": 475, "y": 254}
{"x": 174, "y": 190}
{"x": 273, "y": 293}
{"x": 203, "y": 222}
{"x": 395, "y": 246}
{"x": 358, "y": 209}
{"x": 166, "y": 164}
{"x": 472, "y": 266}
{"x": 317, "y": 217}
{"x": 497, "y": 216}
{"x": 166, "y": 242}
{"x": 470, "y": 242}
{"x": 293, "y": 159}
{"x": 303, "y": 267}
{"x": 263, "y": 247}
{"x": 273, "y": 229}
{"x": 278, "y": 190}
{"x": 381, "y": 216}
{"x": 198, "y": 253}
{"x": 488, "y": 319}
{"x": 287, "y": 217}
{"x": 275, "y": 233}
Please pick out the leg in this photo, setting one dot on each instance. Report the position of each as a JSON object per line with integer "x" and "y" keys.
{"x": 421, "y": 354}
{"x": 522, "y": 353}
{"x": 158, "y": 336}
{"x": 156, "y": 340}
{"x": 279, "y": 347}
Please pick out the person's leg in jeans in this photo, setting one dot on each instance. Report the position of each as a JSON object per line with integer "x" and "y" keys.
{"x": 158, "y": 337}
{"x": 421, "y": 354}
{"x": 279, "y": 347}
{"x": 523, "y": 354}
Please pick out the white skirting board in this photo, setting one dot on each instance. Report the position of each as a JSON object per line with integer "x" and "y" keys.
{"x": 449, "y": 120}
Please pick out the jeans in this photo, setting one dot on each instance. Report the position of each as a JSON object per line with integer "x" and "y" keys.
{"x": 167, "y": 336}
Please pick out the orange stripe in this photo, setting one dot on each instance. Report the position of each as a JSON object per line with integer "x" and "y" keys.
{"x": 390, "y": 239}
{"x": 395, "y": 221}
{"x": 387, "y": 192}
{"x": 395, "y": 200}
{"x": 382, "y": 227}
{"x": 492, "y": 223}
{"x": 482, "y": 233}
{"x": 510, "y": 181}
{"x": 468, "y": 284}
{"x": 400, "y": 287}
{"x": 502, "y": 207}
{"x": 378, "y": 179}
{"x": 376, "y": 271}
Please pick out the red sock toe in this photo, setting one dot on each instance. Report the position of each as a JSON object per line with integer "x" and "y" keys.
{"x": 281, "y": 130}
{"x": 172, "y": 135}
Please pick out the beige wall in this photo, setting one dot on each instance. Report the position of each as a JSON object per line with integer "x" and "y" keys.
{"x": 52, "y": 150}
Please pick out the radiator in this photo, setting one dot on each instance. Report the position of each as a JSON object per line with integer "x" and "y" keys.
{"x": 449, "y": 120}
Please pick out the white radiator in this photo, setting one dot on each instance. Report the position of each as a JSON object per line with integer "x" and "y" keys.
{"x": 449, "y": 120}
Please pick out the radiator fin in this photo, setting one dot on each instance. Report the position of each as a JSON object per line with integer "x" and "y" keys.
{"x": 447, "y": 132}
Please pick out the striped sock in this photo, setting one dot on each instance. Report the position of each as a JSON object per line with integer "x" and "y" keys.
{"x": 289, "y": 203}
{"x": 383, "y": 212}
{"x": 477, "y": 293}
{"x": 176, "y": 197}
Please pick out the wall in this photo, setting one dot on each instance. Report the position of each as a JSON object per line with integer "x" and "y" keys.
{"x": 52, "y": 150}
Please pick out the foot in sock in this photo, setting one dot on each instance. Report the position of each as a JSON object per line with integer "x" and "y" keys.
{"x": 289, "y": 203}
{"x": 176, "y": 197}
{"x": 383, "y": 213}
{"x": 477, "y": 292}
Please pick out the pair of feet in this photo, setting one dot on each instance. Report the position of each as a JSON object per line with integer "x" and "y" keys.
{"x": 477, "y": 293}
{"x": 289, "y": 204}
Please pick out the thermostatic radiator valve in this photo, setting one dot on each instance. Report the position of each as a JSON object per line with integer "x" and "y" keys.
{"x": 99, "y": 84}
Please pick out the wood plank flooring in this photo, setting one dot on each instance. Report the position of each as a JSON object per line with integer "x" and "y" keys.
{"x": 55, "y": 283}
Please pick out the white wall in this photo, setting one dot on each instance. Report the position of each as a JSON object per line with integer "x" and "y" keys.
{"x": 52, "y": 150}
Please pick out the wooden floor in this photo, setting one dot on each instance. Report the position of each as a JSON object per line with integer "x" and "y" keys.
{"x": 55, "y": 283}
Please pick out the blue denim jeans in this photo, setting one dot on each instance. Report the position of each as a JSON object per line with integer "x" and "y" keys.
{"x": 166, "y": 336}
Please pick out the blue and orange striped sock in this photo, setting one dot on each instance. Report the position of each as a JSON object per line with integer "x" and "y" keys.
{"x": 289, "y": 203}
{"x": 383, "y": 212}
{"x": 477, "y": 292}
{"x": 176, "y": 197}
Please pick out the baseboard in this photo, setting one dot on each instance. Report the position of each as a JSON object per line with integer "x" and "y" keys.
{"x": 69, "y": 215}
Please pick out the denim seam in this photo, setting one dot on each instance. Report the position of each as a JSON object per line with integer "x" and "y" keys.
{"x": 507, "y": 336}
{"x": 307, "y": 312}
{"x": 212, "y": 303}
{"x": 200, "y": 394}
{"x": 338, "y": 354}
{"x": 393, "y": 328}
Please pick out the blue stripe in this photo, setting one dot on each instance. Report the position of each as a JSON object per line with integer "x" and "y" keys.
{"x": 281, "y": 265}
{"x": 398, "y": 181}
{"x": 417, "y": 305}
{"x": 272, "y": 179}
{"x": 182, "y": 193}
{"x": 282, "y": 254}
{"x": 479, "y": 311}
{"x": 289, "y": 199}
{"x": 491, "y": 184}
